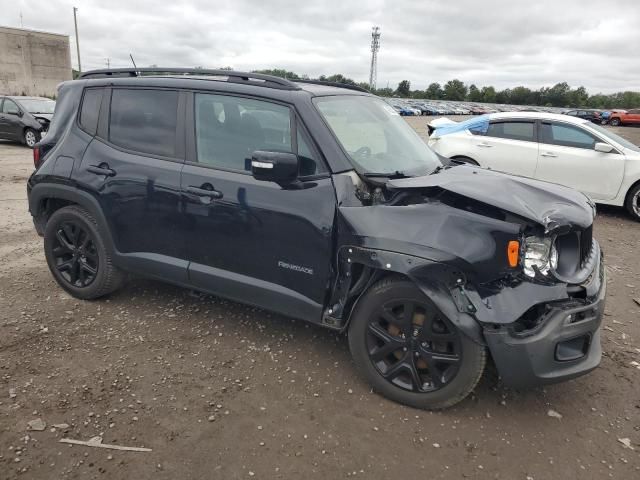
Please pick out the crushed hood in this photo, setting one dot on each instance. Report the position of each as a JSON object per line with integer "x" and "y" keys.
{"x": 553, "y": 206}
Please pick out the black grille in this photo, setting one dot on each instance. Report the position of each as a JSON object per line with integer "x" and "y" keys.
{"x": 586, "y": 242}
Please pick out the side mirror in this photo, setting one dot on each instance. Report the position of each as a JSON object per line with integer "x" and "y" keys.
{"x": 279, "y": 167}
{"x": 20, "y": 113}
{"x": 603, "y": 147}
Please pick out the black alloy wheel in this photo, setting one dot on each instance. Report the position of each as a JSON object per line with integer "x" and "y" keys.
{"x": 78, "y": 255}
{"x": 75, "y": 254}
{"x": 412, "y": 347}
{"x": 408, "y": 350}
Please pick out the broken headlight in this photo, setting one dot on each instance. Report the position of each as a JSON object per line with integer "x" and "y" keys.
{"x": 539, "y": 254}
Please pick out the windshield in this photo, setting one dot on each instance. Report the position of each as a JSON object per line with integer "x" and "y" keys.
{"x": 38, "y": 105}
{"x": 616, "y": 138}
{"x": 376, "y": 138}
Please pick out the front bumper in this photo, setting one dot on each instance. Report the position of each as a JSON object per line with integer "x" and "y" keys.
{"x": 563, "y": 345}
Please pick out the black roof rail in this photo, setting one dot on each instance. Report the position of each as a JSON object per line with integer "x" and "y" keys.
{"x": 334, "y": 84}
{"x": 232, "y": 76}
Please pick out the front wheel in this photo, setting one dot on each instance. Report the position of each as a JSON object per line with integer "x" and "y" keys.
{"x": 614, "y": 122}
{"x": 409, "y": 351}
{"x": 30, "y": 137}
{"x": 633, "y": 202}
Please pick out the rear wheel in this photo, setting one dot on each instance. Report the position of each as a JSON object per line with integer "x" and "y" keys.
{"x": 633, "y": 202}
{"x": 614, "y": 122}
{"x": 30, "y": 137}
{"x": 77, "y": 255}
{"x": 410, "y": 352}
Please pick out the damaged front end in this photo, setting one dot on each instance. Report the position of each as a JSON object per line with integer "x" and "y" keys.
{"x": 451, "y": 233}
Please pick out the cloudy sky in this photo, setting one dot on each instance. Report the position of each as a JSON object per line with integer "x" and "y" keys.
{"x": 595, "y": 43}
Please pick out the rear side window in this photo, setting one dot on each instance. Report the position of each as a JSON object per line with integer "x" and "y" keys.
{"x": 566, "y": 136}
{"x": 90, "y": 110}
{"x": 512, "y": 130}
{"x": 144, "y": 120}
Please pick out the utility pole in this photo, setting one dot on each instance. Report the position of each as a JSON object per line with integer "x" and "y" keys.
{"x": 108, "y": 62}
{"x": 75, "y": 22}
{"x": 375, "y": 46}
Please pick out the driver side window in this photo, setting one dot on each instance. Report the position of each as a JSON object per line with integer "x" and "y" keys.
{"x": 566, "y": 136}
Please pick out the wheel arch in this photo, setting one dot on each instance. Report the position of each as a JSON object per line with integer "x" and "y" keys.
{"x": 627, "y": 195}
{"x": 45, "y": 199}
{"x": 631, "y": 187}
{"x": 473, "y": 161}
{"x": 359, "y": 268}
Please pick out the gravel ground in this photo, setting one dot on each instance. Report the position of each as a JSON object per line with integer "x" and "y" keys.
{"x": 221, "y": 390}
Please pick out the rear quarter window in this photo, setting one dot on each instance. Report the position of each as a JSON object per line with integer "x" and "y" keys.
{"x": 90, "y": 110}
{"x": 144, "y": 121}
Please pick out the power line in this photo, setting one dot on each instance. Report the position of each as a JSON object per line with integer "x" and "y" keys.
{"x": 375, "y": 46}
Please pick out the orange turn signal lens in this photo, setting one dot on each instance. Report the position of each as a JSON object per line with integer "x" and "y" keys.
{"x": 513, "y": 252}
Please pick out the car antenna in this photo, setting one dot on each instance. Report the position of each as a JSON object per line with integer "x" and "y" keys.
{"x": 132, "y": 61}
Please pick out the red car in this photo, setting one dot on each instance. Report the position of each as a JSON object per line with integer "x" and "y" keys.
{"x": 625, "y": 117}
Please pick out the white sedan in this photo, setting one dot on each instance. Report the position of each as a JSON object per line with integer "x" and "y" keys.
{"x": 550, "y": 147}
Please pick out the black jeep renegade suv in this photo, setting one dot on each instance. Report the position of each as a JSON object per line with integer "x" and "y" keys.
{"x": 319, "y": 202}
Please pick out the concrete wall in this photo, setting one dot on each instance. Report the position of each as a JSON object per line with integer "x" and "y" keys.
{"x": 33, "y": 63}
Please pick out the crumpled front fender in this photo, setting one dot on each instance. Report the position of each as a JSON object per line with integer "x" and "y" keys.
{"x": 443, "y": 284}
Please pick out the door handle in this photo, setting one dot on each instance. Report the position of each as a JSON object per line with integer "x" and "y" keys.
{"x": 205, "y": 190}
{"x": 485, "y": 145}
{"x": 102, "y": 169}
{"x": 548, "y": 154}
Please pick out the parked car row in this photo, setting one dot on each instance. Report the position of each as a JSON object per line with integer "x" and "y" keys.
{"x": 410, "y": 107}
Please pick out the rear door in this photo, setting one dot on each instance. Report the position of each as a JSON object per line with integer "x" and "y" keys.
{"x": 509, "y": 146}
{"x": 133, "y": 167}
{"x": 567, "y": 157}
{"x": 256, "y": 241}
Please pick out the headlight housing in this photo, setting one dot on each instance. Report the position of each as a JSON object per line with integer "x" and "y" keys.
{"x": 42, "y": 121}
{"x": 540, "y": 254}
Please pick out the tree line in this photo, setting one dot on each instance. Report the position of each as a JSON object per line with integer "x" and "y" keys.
{"x": 560, "y": 95}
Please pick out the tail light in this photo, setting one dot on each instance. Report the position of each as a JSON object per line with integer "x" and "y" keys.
{"x": 36, "y": 156}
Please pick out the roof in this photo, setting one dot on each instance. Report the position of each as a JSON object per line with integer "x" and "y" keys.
{"x": 26, "y": 31}
{"x": 21, "y": 97}
{"x": 185, "y": 78}
{"x": 537, "y": 115}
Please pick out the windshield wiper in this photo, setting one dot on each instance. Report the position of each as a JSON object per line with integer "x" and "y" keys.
{"x": 396, "y": 174}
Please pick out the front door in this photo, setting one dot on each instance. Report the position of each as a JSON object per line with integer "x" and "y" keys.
{"x": 256, "y": 241}
{"x": 567, "y": 157}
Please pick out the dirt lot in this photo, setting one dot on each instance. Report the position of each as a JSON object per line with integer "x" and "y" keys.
{"x": 220, "y": 390}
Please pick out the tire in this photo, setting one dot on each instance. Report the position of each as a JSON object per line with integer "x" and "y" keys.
{"x": 401, "y": 373}
{"x": 468, "y": 160}
{"x": 615, "y": 122}
{"x": 77, "y": 255}
{"x": 30, "y": 137}
{"x": 632, "y": 202}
